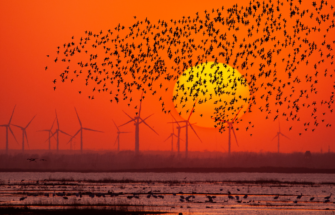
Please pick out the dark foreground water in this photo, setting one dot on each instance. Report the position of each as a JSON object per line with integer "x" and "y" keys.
{"x": 187, "y": 193}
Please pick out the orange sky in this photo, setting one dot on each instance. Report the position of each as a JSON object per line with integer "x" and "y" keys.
{"x": 32, "y": 29}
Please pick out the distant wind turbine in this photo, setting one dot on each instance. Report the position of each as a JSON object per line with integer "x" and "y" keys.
{"x": 137, "y": 121}
{"x": 178, "y": 132}
{"x": 171, "y": 136}
{"x": 57, "y": 132}
{"x": 278, "y": 136}
{"x": 24, "y": 132}
{"x": 188, "y": 124}
{"x": 8, "y": 128}
{"x": 81, "y": 132}
{"x": 50, "y": 133}
{"x": 230, "y": 124}
{"x": 118, "y": 136}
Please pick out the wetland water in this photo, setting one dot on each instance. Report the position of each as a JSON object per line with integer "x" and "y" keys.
{"x": 187, "y": 193}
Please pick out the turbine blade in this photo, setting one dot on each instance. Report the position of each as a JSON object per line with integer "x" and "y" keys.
{"x": 284, "y": 135}
{"x": 116, "y": 126}
{"x": 127, "y": 122}
{"x": 128, "y": 115}
{"x": 192, "y": 110}
{"x": 275, "y": 137}
{"x": 65, "y": 133}
{"x": 3, "y": 125}
{"x": 17, "y": 126}
{"x": 149, "y": 126}
{"x": 178, "y": 121}
{"x": 195, "y": 132}
{"x": 235, "y": 137}
{"x": 25, "y": 133}
{"x": 53, "y": 124}
{"x": 174, "y": 119}
{"x": 167, "y": 138}
{"x": 11, "y": 117}
{"x": 30, "y": 121}
{"x": 237, "y": 114}
{"x": 51, "y": 136}
{"x": 78, "y": 117}
{"x": 74, "y": 136}
{"x": 88, "y": 129}
{"x": 146, "y": 118}
{"x": 12, "y": 134}
{"x": 42, "y": 130}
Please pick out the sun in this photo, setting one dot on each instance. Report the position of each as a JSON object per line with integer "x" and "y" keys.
{"x": 219, "y": 89}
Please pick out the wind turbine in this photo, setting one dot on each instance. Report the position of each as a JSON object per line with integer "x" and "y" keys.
{"x": 57, "y": 132}
{"x": 50, "y": 133}
{"x": 178, "y": 136}
{"x": 230, "y": 124}
{"x": 81, "y": 132}
{"x": 278, "y": 135}
{"x": 24, "y": 132}
{"x": 137, "y": 121}
{"x": 8, "y": 128}
{"x": 171, "y": 136}
{"x": 118, "y": 136}
{"x": 187, "y": 124}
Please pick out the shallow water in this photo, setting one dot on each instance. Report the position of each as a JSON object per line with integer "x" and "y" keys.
{"x": 252, "y": 193}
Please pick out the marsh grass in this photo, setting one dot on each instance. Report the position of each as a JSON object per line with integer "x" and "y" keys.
{"x": 84, "y": 182}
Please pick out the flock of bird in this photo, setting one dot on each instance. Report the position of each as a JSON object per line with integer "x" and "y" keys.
{"x": 182, "y": 198}
{"x": 283, "y": 48}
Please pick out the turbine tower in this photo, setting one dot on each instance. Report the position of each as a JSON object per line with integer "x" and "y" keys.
{"x": 230, "y": 124}
{"x": 8, "y": 128}
{"x": 24, "y": 133}
{"x": 81, "y": 132}
{"x": 118, "y": 136}
{"x": 278, "y": 136}
{"x": 57, "y": 132}
{"x": 187, "y": 124}
{"x": 50, "y": 133}
{"x": 137, "y": 121}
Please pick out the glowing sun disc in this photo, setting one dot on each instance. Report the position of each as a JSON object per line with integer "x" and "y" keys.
{"x": 220, "y": 89}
